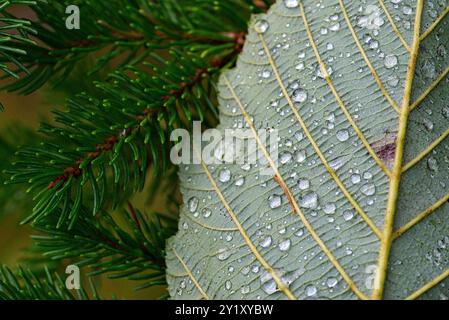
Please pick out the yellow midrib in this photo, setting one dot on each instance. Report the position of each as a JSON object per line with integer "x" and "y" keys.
{"x": 387, "y": 236}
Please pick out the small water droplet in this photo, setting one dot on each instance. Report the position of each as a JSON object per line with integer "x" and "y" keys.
{"x": 311, "y": 290}
{"x": 266, "y": 242}
{"x": 428, "y": 125}
{"x": 285, "y": 157}
{"x": 445, "y": 112}
{"x": 432, "y": 164}
{"x": 275, "y": 201}
{"x": 309, "y": 201}
{"x": 224, "y": 175}
{"x": 355, "y": 178}
{"x": 245, "y": 290}
{"x": 368, "y": 189}
{"x": 390, "y": 61}
{"x": 304, "y": 184}
{"x": 343, "y": 135}
{"x": 348, "y": 215}
{"x": 240, "y": 182}
{"x": 206, "y": 212}
{"x": 193, "y": 204}
{"x": 228, "y": 285}
{"x": 329, "y": 208}
{"x": 301, "y": 156}
{"x": 331, "y": 282}
{"x": 223, "y": 254}
{"x": 300, "y": 95}
{"x": 291, "y": 3}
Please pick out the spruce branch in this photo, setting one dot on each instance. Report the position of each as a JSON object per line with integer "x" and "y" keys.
{"x": 26, "y": 285}
{"x": 126, "y": 32}
{"x": 103, "y": 148}
{"x": 134, "y": 249}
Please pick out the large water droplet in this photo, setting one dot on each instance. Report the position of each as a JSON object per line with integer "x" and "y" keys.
{"x": 285, "y": 245}
{"x": 261, "y": 26}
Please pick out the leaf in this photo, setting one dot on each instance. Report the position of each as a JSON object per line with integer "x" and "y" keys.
{"x": 356, "y": 90}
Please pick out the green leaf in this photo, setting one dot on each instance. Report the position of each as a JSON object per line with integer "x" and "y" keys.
{"x": 356, "y": 207}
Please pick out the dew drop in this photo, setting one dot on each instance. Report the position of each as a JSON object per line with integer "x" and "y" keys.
{"x": 338, "y": 162}
{"x": 206, "y": 212}
{"x": 268, "y": 284}
{"x": 275, "y": 201}
{"x": 285, "y": 245}
{"x": 343, "y": 135}
{"x": 355, "y": 178}
{"x": 299, "y": 233}
{"x": 432, "y": 164}
{"x": 223, "y": 254}
{"x": 266, "y": 242}
{"x": 304, "y": 184}
{"x": 445, "y": 112}
{"x": 329, "y": 208}
{"x": 428, "y": 125}
{"x": 390, "y": 61}
{"x": 309, "y": 201}
{"x": 301, "y": 156}
{"x": 331, "y": 282}
{"x": 228, "y": 285}
{"x": 193, "y": 204}
{"x": 224, "y": 175}
{"x": 291, "y": 3}
{"x": 240, "y": 182}
{"x": 245, "y": 289}
{"x": 368, "y": 189}
{"x": 300, "y": 95}
{"x": 348, "y": 215}
{"x": 261, "y": 26}
{"x": 285, "y": 157}
{"x": 311, "y": 290}
{"x": 393, "y": 81}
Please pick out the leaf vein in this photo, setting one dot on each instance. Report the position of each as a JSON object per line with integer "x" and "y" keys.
{"x": 278, "y": 178}
{"x": 367, "y": 61}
